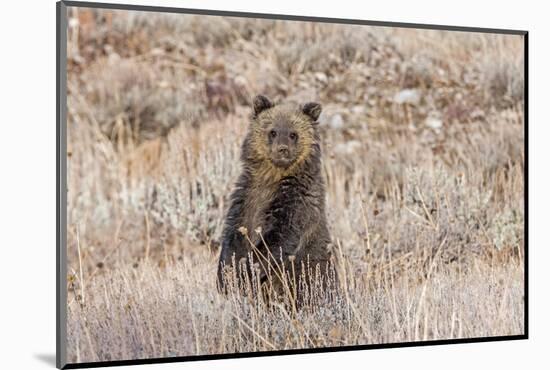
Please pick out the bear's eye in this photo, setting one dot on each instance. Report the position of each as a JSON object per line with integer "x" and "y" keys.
{"x": 273, "y": 133}
{"x": 293, "y": 136}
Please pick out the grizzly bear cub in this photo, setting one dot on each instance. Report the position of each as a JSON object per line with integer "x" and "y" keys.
{"x": 276, "y": 223}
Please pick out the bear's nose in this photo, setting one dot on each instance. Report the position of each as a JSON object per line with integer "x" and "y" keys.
{"x": 283, "y": 150}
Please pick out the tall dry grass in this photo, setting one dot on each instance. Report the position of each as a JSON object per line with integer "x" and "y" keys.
{"x": 423, "y": 159}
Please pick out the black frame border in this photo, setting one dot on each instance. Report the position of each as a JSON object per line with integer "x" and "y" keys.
{"x": 61, "y": 186}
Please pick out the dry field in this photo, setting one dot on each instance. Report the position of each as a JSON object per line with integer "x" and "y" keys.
{"x": 423, "y": 144}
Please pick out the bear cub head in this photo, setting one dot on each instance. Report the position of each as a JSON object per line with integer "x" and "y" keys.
{"x": 283, "y": 134}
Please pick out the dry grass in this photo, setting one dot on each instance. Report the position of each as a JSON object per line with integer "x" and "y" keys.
{"x": 423, "y": 154}
{"x": 176, "y": 311}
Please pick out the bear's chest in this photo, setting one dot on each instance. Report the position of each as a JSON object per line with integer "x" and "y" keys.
{"x": 257, "y": 202}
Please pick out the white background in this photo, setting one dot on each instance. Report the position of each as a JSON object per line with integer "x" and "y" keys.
{"x": 27, "y": 184}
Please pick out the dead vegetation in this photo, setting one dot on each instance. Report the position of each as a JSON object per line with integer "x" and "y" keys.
{"x": 423, "y": 155}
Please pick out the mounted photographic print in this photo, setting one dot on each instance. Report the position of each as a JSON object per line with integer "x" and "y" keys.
{"x": 238, "y": 184}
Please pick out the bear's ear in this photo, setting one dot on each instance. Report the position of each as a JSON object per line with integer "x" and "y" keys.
{"x": 261, "y": 103}
{"x": 313, "y": 110}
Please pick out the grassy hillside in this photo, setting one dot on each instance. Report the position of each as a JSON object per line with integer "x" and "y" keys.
{"x": 423, "y": 158}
